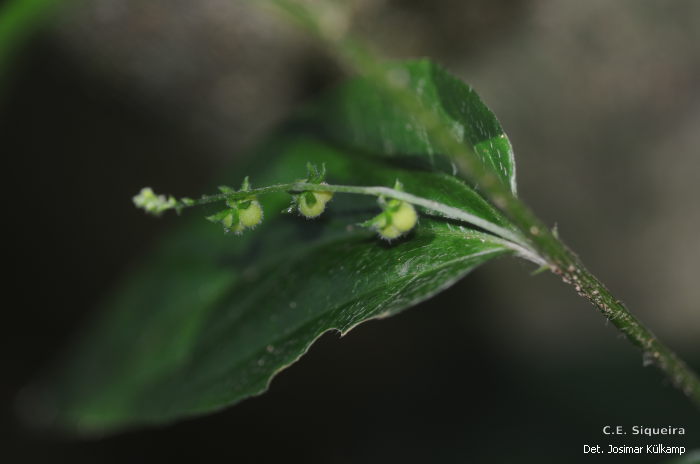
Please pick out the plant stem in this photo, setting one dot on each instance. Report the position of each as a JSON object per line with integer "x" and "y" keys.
{"x": 573, "y": 272}
{"x": 538, "y": 237}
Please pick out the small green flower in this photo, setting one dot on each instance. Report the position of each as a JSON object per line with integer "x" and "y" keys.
{"x": 398, "y": 218}
{"x": 240, "y": 215}
{"x": 313, "y": 204}
{"x": 152, "y": 203}
{"x": 405, "y": 217}
{"x": 250, "y": 213}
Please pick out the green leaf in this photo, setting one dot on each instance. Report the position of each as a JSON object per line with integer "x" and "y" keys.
{"x": 361, "y": 114}
{"x": 210, "y": 319}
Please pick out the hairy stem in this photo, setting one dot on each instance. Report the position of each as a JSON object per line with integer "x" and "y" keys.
{"x": 539, "y": 238}
{"x": 572, "y": 271}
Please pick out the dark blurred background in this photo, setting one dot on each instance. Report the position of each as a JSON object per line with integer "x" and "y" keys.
{"x": 602, "y": 103}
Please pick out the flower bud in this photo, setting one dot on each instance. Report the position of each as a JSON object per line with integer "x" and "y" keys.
{"x": 250, "y": 213}
{"x": 397, "y": 219}
{"x": 312, "y": 204}
{"x": 405, "y": 217}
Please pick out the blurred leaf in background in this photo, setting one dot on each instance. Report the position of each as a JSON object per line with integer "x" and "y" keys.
{"x": 19, "y": 19}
